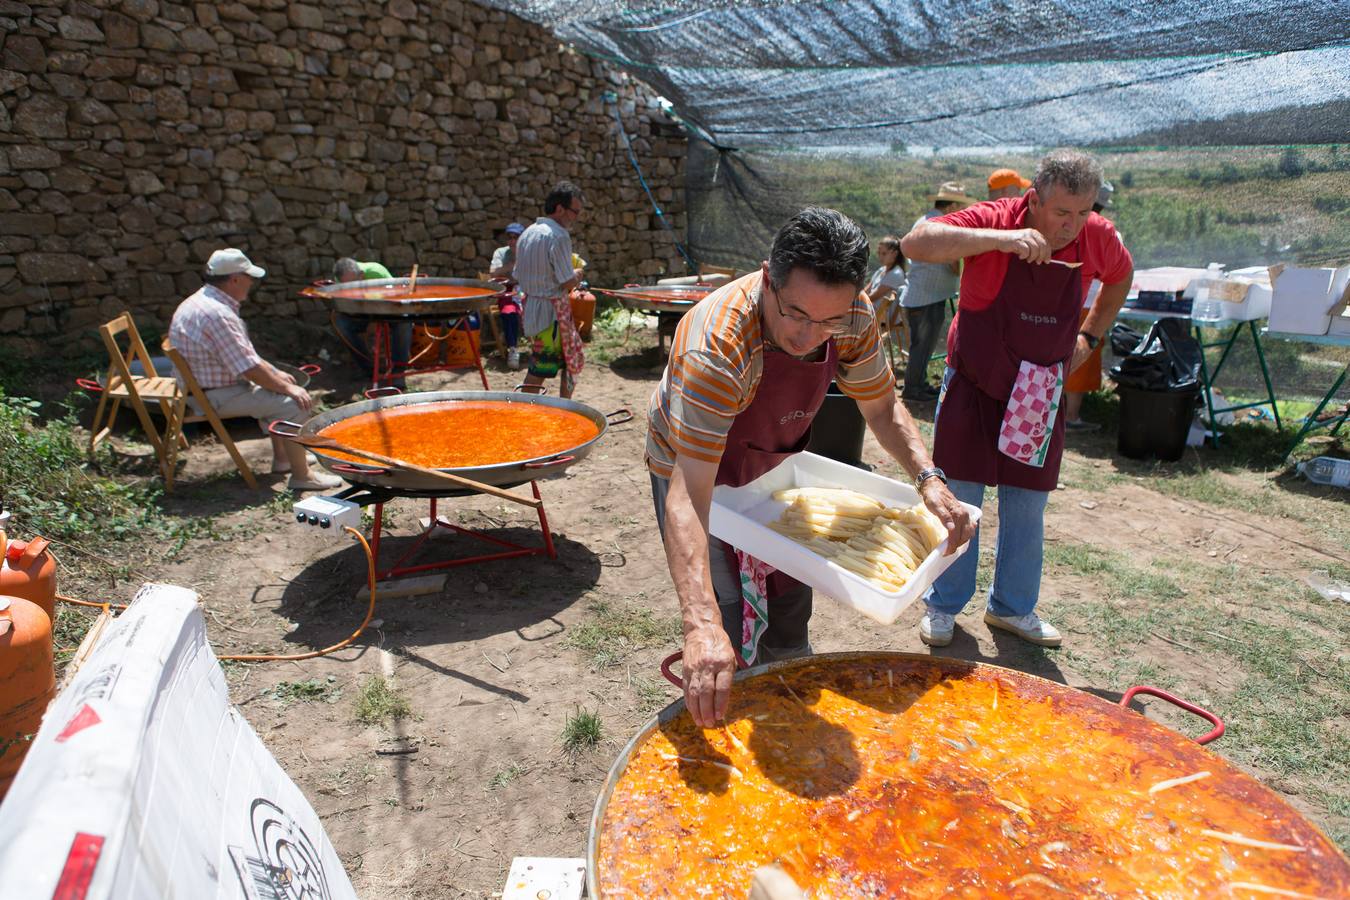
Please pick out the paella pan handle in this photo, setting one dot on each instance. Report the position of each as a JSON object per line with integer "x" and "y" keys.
{"x": 536, "y": 389}
{"x": 624, "y": 413}
{"x": 1205, "y": 714}
{"x": 556, "y": 461}
{"x": 348, "y": 469}
{"x": 310, "y": 369}
{"x": 678, "y": 656}
{"x": 386, "y": 391}
{"x": 283, "y": 428}
{"x": 89, "y": 384}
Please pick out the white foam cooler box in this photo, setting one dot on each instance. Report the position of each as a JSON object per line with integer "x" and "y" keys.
{"x": 740, "y": 516}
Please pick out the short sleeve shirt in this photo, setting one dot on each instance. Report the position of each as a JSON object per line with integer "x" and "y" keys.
{"x": 1098, "y": 247}
{"x": 715, "y": 366}
{"x": 207, "y": 330}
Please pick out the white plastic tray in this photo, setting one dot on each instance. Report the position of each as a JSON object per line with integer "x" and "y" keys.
{"x": 740, "y": 515}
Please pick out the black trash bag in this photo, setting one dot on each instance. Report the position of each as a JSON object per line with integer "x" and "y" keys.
{"x": 1124, "y": 339}
{"x": 1167, "y": 360}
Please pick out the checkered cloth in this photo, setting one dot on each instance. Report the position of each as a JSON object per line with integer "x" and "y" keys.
{"x": 1029, "y": 420}
{"x": 207, "y": 330}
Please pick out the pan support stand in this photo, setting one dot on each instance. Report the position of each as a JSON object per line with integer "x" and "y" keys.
{"x": 498, "y": 547}
{"x": 385, "y": 369}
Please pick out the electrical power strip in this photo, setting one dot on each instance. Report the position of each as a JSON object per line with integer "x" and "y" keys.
{"x": 328, "y": 512}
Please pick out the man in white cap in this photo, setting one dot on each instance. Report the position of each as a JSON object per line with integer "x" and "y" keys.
{"x": 214, "y": 341}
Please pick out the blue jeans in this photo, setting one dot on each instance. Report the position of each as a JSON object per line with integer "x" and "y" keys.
{"x": 511, "y": 330}
{"x": 1017, "y": 557}
{"x": 353, "y": 330}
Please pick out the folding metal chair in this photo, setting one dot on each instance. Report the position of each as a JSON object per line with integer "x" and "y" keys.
{"x": 121, "y": 386}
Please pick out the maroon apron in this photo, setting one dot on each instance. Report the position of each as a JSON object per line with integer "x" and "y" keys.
{"x": 776, "y": 424}
{"x": 1033, "y": 318}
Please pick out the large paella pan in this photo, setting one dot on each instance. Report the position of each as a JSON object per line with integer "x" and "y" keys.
{"x": 406, "y": 297}
{"x": 899, "y": 775}
{"x": 659, "y": 298}
{"x": 491, "y": 437}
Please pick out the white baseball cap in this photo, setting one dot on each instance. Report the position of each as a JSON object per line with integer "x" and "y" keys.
{"x": 231, "y": 261}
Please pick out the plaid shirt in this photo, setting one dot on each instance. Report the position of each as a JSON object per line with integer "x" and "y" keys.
{"x": 207, "y": 330}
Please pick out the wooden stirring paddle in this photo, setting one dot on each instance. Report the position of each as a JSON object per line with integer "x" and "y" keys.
{"x": 317, "y": 442}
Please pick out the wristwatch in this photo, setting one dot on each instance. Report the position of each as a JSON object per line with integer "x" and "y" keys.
{"x": 1092, "y": 340}
{"x": 931, "y": 472}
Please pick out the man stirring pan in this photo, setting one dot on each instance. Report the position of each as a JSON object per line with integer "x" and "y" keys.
{"x": 1016, "y": 336}
{"x": 747, "y": 373}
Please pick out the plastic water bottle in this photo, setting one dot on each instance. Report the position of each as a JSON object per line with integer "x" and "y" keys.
{"x": 1326, "y": 470}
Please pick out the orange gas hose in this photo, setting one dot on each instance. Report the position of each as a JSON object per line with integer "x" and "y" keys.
{"x": 370, "y": 614}
{"x": 267, "y": 657}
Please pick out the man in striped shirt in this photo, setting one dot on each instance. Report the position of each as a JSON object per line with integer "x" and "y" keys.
{"x": 747, "y": 373}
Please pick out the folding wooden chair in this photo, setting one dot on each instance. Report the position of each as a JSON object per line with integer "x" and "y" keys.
{"x": 208, "y": 413}
{"x": 895, "y": 338}
{"x": 121, "y": 386}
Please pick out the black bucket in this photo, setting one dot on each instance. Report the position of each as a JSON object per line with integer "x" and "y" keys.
{"x": 838, "y": 429}
{"x": 1154, "y": 423}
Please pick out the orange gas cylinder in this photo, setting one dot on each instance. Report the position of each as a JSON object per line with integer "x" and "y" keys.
{"x": 27, "y": 680}
{"x": 29, "y": 571}
{"x": 583, "y": 312}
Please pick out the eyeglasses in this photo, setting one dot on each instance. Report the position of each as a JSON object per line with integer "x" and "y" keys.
{"x": 834, "y": 329}
{"x": 573, "y": 211}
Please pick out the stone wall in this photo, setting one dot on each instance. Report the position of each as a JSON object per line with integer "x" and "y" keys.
{"x": 136, "y": 136}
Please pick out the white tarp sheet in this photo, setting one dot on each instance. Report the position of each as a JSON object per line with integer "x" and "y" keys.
{"x": 144, "y": 782}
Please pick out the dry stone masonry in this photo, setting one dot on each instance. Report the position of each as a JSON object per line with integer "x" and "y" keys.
{"x": 136, "y": 136}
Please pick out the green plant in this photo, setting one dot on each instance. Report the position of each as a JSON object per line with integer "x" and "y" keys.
{"x": 505, "y": 776}
{"x": 581, "y": 731}
{"x": 307, "y": 691}
{"x": 616, "y": 631}
{"x": 378, "y": 702}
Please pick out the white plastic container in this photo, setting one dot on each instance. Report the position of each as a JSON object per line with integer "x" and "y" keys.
{"x": 740, "y": 515}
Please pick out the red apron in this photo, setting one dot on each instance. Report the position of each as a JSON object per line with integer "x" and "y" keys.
{"x": 1033, "y": 318}
{"x": 776, "y": 424}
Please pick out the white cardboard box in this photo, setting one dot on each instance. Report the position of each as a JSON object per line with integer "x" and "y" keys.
{"x": 1305, "y": 299}
{"x": 740, "y": 515}
{"x": 144, "y": 781}
{"x": 1240, "y": 298}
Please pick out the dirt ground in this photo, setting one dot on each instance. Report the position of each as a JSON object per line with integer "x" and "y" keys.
{"x": 438, "y": 804}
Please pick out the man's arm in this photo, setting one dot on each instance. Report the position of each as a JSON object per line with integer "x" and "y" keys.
{"x": 709, "y": 659}
{"x": 1103, "y": 313}
{"x": 938, "y": 242}
{"x": 899, "y": 436}
{"x": 266, "y": 376}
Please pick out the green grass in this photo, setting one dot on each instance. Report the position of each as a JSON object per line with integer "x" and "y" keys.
{"x": 1278, "y": 644}
{"x": 379, "y": 703}
{"x": 650, "y": 694}
{"x": 582, "y": 731}
{"x": 614, "y": 631}
{"x": 310, "y": 690}
{"x": 506, "y": 775}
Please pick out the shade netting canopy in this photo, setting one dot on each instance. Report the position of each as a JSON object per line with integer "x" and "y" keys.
{"x": 942, "y": 73}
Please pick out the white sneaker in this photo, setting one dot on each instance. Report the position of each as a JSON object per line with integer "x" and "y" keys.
{"x": 935, "y": 629}
{"x": 1028, "y": 628}
{"x": 317, "y": 481}
{"x": 513, "y": 359}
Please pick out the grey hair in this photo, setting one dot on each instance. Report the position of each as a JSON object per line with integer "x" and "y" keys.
{"x": 825, "y": 242}
{"x": 1073, "y": 170}
{"x": 346, "y": 266}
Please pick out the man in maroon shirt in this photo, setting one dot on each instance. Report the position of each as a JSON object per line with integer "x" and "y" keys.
{"x": 1028, "y": 262}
